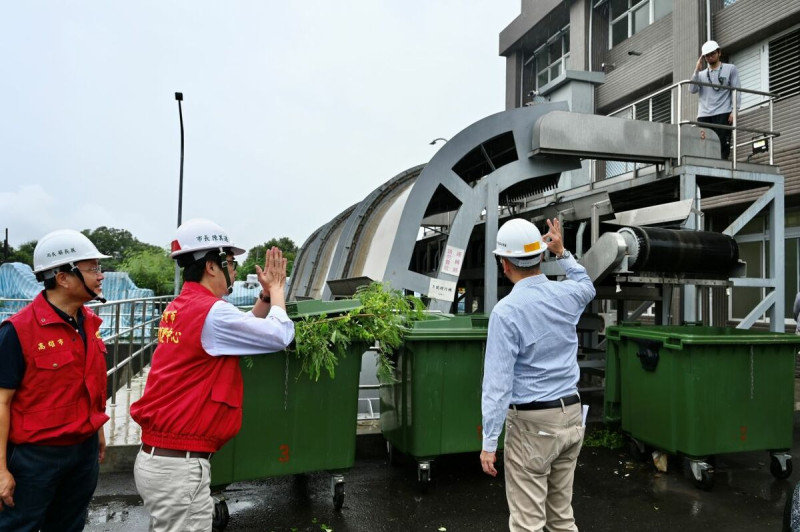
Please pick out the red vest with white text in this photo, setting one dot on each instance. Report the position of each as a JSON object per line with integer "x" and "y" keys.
{"x": 192, "y": 400}
{"x": 62, "y": 397}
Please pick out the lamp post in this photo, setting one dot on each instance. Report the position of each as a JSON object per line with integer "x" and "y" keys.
{"x": 179, "y": 98}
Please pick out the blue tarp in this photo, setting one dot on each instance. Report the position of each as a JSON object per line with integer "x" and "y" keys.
{"x": 17, "y": 281}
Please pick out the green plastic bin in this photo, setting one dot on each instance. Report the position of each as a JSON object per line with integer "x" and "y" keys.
{"x": 700, "y": 391}
{"x": 434, "y": 408}
{"x": 292, "y": 424}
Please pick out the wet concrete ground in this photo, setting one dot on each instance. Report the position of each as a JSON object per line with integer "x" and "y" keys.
{"x": 613, "y": 492}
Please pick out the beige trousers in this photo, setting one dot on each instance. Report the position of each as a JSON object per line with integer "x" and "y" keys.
{"x": 541, "y": 451}
{"x": 176, "y": 492}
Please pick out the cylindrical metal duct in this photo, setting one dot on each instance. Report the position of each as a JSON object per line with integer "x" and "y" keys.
{"x": 690, "y": 252}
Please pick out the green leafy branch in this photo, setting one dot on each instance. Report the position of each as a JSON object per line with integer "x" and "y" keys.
{"x": 382, "y": 321}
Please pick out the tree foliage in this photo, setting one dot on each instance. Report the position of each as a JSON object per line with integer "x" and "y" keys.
{"x": 384, "y": 317}
{"x": 151, "y": 268}
{"x": 22, "y": 254}
{"x": 256, "y": 256}
{"x": 119, "y": 244}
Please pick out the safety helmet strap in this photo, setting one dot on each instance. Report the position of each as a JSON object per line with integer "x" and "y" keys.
{"x": 223, "y": 261}
{"x": 74, "y": 269}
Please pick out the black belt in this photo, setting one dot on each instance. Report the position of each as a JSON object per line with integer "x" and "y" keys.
{"x": 174, "y": 453}
{"x": 544, "y": 405}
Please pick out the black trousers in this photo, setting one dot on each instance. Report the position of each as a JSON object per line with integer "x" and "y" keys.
{"x": 54, "y": 486}
{"x": 723, "y": 134}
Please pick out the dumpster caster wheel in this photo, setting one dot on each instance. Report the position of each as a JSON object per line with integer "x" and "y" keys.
{"x": 706, "y": 481}
{"x": 780, "y": 466}
{"x": 221, "y": 515}
{"x": 638, "y": 450}
{"x": 390, "y": 454}
{"x": 702, "y": 473}
{"x": 338, "y": 497}
{"x": 424, "y": 476}
{"x": 337, "y": 489}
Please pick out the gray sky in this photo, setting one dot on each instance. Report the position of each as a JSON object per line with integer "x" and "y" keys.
{"x": 293, "y": 110}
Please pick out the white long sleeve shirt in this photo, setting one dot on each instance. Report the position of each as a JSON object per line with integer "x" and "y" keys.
{"x": 229, "y": 331}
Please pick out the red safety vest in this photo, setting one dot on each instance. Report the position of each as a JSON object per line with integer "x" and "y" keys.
{"x": 62, "y": 397}
{"x": 192, "y": 400}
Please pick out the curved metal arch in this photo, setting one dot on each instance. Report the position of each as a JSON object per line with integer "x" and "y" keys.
{"x": 350, "y": 241}
{"x": 312, "y": 255}
{"x": 474, "y": 199}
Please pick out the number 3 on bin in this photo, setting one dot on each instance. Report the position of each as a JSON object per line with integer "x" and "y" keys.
{"x": 284, "y": 453}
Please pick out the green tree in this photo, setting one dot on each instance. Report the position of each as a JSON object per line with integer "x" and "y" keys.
{"x": 151, "y": 268}
{"x": 23, "y": 254}
{"x": 256, "y": 256}
{"x": 119, "y": 244}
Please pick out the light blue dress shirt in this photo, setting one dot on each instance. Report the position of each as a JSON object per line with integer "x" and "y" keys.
{"x": 532, "y": 346}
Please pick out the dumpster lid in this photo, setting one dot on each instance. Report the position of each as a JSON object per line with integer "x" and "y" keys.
{"x": 314, "y": 307}
{"x": 449, "y": 327}
{"x": 675, "y": 336}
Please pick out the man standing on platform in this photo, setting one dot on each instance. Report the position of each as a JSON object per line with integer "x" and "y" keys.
{"x": 716, "y": 102}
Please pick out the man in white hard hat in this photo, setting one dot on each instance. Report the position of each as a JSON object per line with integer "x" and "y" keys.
{"x": 531, "y": 378}
{"x": 716, "y": 102}
{"x": 53, "y": 392}
{"x": 192, "y": 403}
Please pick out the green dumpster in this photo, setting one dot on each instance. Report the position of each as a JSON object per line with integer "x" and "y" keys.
{"x": 292, "y": 424}
{"x": 434, "y": 408}
{"x": 701, "y": 391}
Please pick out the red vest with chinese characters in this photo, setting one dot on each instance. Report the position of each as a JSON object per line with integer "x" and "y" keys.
{"x": 192, "y": 400}
{"x": 62, "y": 397}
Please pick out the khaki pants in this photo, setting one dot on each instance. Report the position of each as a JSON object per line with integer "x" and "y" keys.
{"x": 176, "y": 492}
{"x": 541, "y": 451}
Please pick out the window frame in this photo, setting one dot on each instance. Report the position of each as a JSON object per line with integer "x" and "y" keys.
{"x": 545, "y": 68}
{"x": 629, "y": 14}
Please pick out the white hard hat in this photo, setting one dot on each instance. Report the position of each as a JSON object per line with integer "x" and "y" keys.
{"x": 61, "y": 247}
{"x": 708, "y": 47}
{"x": 520, "y": 239}
{"x": 198, "y": 236}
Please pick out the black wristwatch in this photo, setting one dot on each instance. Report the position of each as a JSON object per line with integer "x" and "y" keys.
{"x": 264, "y": 297}
{"x": 564, "y": 255}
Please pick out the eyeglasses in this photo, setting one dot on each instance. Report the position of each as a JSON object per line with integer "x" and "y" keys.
{"x": 97, "y": 270}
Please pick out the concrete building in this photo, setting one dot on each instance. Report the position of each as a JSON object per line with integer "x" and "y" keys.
{"x": 644, "y": 47}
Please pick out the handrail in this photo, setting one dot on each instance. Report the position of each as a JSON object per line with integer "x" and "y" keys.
{"x": 675, "y": 118}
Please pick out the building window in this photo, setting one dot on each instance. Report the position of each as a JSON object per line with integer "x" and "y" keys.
{"x": 547, "y": 62}
{"x": 629, "y": 17}
{"x": 771, "y": 66}
{"x": 784, "y": 64}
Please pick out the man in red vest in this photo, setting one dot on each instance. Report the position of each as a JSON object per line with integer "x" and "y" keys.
{"x": 192, "y": 403}
{"x": 53, "y": 392}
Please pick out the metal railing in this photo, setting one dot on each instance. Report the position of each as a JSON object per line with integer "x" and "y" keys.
{"x": 678, "y": 121}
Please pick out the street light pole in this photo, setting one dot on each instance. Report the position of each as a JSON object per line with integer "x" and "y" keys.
{"x": 179, "y": 98}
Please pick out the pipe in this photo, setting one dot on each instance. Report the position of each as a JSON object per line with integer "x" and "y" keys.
{"x": 591, "y": 43}
{"x": 708, "y": 20}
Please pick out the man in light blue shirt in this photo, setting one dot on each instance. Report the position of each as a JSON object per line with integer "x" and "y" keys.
{"x": 531, "y": 377}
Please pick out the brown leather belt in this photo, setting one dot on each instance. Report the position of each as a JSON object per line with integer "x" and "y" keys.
{"x": 544, "y": 405}
{"x": 174, "y": 453}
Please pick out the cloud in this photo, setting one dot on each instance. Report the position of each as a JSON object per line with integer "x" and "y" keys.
{"x": 30, "y": 212}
